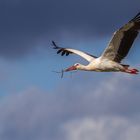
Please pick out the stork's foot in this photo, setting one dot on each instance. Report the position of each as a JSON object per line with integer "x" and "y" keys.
{"x": 131, "y": 71}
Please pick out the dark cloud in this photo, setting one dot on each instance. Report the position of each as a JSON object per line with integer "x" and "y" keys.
{"x": 25, "y": 22}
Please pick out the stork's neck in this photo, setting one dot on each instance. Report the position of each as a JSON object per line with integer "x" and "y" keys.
{"x": 84, "y": 67}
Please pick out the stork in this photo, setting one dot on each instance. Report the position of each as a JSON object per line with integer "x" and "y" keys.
{"x": 110, "y": 59}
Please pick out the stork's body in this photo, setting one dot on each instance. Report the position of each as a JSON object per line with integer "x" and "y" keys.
{"x": 101, "y": 65}
{"x": 104, "y": 65}
{"x": 110, "y": 60}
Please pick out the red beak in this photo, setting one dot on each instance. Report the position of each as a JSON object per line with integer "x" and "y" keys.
{"x": 70, "y": 68}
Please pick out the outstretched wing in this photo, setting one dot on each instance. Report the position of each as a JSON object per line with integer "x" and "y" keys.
{"x": 122, "y": 40}
{"x": 66, "y": 51}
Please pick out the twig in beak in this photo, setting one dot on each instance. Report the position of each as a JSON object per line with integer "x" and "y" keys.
{"x": 62, "y": 72}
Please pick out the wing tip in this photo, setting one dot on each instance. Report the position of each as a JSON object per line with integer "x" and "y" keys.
{"x": 136, "y": 18}
{"x": 54, "y": 45}
{"x": 60, "y": 50}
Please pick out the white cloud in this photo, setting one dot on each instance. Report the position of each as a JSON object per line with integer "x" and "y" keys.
{"x": 87, "y": 110}
{"x": 104, "y": 128}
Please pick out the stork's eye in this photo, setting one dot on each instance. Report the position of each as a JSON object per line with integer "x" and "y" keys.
{"x": 76, "y": 64}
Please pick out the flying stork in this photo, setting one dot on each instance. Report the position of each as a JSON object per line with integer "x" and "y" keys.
{"x": 110, "y": 59}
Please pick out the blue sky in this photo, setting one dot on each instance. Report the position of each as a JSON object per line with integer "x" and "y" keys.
{"x": 36, "y": 104}
{"x": 36, "y": 70}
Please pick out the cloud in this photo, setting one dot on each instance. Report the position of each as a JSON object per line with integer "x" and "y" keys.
{"x": 74, "y": 113}
{"x": 104, "y": 95}
{"x": 26, "y": 25}
{"x": 104, "y": 128}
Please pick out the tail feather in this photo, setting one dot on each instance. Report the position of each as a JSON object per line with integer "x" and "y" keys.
{"x": 125, "y": 66}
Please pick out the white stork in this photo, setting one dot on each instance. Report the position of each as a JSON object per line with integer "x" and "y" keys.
{"x": 110, "y": 60}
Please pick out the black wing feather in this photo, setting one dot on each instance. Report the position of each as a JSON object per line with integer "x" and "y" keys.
{"x": 54, "y": 45}
{"x": 122, "y": 40}
{"x": 136, "y": 17}
{"x": 125, "y": 45}
{"x": 61, "y": 50}
{"x": 67, "y": 53}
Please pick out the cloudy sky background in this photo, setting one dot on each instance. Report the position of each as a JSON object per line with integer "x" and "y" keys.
{"x": 36, "y": 104}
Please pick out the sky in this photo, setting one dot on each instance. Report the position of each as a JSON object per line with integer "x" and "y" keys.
{"x": 35, "y": 102}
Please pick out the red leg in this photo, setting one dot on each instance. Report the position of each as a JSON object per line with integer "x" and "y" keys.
{"x": 131, "y": 71}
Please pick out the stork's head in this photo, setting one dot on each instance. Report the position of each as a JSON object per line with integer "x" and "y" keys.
{"x": 76, "y": 66}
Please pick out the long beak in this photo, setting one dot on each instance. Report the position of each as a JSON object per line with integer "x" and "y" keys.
{"x": 70, "y": 68}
